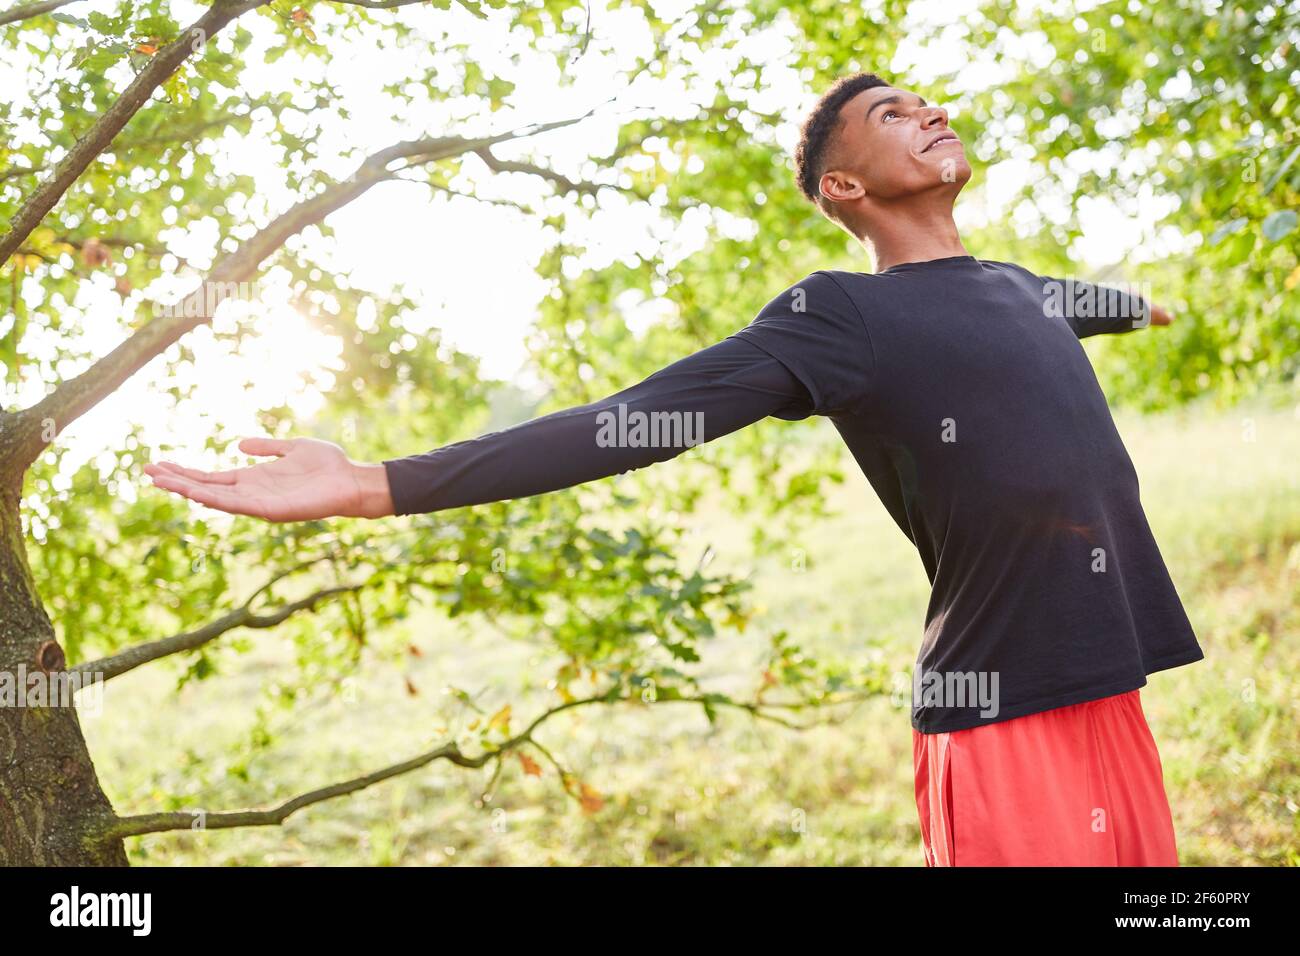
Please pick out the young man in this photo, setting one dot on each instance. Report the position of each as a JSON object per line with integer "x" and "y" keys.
{"x": 962, "y": 390}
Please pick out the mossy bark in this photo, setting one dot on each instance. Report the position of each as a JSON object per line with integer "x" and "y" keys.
{"x": 50, "y": 797}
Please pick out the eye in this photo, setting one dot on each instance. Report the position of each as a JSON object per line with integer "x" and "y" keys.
{"x": 887, "y": 114}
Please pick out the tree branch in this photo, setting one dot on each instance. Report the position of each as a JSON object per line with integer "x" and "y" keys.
{"x": 487, "y": 200}
{"x": 163, "y": 822}
{"x": 469, "y": 7}
{"x": 513, "y": 166}
{"x": 184, "y": 820}
{"x": 15, "y": 171}
{"x": 119, "y": 827}
{"x": 161, "y": 66}
{"x": 37, "y": 424}
{"x": 29, "y": 10}
{"x": 116, "y": 828}
{"x": 379, "y": 4}
{"x": 115, "y": 665}
{"x": 125, "y": 242}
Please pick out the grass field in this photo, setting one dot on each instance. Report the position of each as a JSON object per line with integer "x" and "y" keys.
{"x": 1222, "y": 492}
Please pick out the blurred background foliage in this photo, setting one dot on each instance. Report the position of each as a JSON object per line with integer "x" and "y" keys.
{"x": 733, "y": 574}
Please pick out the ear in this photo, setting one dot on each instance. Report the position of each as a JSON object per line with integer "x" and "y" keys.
{"x": 839, "y": 186}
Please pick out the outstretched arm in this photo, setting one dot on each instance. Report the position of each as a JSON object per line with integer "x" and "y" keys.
{"x": 1093, "y": 309}
{"x": 706, "y": 395}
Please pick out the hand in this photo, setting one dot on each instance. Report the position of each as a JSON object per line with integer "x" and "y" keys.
{"x": 308, "y": 479}
{"x": 1160, "y": 316}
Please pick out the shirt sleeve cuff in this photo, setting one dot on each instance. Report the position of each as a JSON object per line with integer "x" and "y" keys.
{"x": 399, "y": 485}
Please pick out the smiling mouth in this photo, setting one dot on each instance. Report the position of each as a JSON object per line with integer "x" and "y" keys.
{"x": 945, "y": 139}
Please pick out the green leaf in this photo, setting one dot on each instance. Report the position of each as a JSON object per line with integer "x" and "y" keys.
{"x": 1281, "y": 170}
{"x": 106, "y": 25}
{"x": 157, "y": 26}
{"x": 1279, "y": 224}
{"x": 1239, "y": 248}
{"x": 1227, "y": 229}
{"x": 101, "y": 58}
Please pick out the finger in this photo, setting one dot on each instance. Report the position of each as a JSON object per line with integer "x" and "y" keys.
{"x": 210, "y": 495}
{"x": 154, "y": 468}
{"x": 265, "y": 446}
{"x": 194, "y": 474}
{"x": 213, "y": 496}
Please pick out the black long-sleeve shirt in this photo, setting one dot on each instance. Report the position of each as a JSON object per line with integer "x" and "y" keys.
{"x": 701, "y": 397}
{"x": 962, "y": 391}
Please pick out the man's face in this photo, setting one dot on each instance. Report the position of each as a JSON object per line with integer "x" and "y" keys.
{"x": 891, "y": 145}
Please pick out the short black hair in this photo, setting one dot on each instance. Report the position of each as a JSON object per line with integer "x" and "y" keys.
{"x": 819, "y": 130}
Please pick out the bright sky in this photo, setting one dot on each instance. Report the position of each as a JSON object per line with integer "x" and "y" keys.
{"x": 469, "y": 264}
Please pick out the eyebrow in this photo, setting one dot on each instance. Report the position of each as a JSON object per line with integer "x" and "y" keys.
{"x": 891, "y": 99}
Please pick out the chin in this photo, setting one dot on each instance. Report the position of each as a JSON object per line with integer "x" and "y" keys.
{"x": 955, "y": 169}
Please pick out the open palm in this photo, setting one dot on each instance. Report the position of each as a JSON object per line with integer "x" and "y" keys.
{"x": 308, "y": 479}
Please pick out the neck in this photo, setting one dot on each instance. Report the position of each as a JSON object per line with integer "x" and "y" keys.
{"x": 914, "y": 233}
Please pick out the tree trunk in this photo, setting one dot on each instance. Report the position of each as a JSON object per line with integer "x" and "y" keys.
{"x": 50, "y": 798}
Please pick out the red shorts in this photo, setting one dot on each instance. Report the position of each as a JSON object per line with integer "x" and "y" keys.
{"x": 1072, "y": 786}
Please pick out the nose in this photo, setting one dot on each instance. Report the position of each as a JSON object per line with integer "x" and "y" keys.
{"x": 937, "y": 116}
